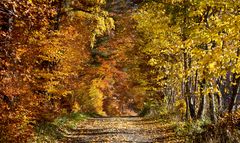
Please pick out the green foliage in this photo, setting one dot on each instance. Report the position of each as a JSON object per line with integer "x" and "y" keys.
{"x": 53, "y": 131}
{"x": 192, "y": 128}
{"x": 47, "y": 132}
{"x": 145, "y": 111}
{"x": 69, "y": 120}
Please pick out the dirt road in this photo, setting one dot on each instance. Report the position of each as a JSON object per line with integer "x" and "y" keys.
{"x": 119, "y": 130}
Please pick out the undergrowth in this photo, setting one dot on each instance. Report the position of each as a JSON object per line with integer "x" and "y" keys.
{"x": 52, "y": 131}
{"x": 226, "y": 130}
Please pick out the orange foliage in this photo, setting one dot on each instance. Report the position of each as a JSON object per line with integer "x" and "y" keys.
{"x": 47, "y": 68}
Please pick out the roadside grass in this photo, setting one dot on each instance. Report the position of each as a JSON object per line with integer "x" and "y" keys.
{"x": 51, "y": 132}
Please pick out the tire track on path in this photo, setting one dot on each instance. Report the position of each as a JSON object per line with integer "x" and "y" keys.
{"x": 120, "y": 129}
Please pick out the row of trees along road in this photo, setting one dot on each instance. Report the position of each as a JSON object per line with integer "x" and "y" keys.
{"x": 190, "y": 54}
{"x": 53, "y": 61}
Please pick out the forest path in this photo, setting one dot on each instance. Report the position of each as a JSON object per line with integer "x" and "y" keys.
{"x": 119, "y": 130}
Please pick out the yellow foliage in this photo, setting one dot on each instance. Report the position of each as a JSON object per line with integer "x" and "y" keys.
{"x": 180, "y": 106}
{"x": 76, "y": 107}
{"x": 96, "y": 96}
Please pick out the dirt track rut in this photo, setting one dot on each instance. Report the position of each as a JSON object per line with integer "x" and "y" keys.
{"x": 119, "y": 130}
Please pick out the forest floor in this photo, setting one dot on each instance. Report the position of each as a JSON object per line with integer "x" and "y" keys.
{"x": 121, "y": 129}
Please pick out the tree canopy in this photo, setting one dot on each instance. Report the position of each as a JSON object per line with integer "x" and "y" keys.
{"x": 113, "y": 58}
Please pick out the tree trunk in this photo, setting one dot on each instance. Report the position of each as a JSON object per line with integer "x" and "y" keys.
{"x": 221, "y": 82}
{"x": 212, "y": 107}
{"x": 195, "y": 88}
{"x": 188, "y": 87}
{"x": 219, "y": 102}
{"x": 191, "y": 107}
{"x": 191, "y": 100}
{"x": 236, "y": 82}
{"x": 61, "y": 4}
{"x": 187, "y": 108}
{"x": 202, "y": 100}
{"x": 190, "y": 97}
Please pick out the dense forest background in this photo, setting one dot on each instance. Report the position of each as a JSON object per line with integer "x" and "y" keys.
{"x": 173, "y": 58}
